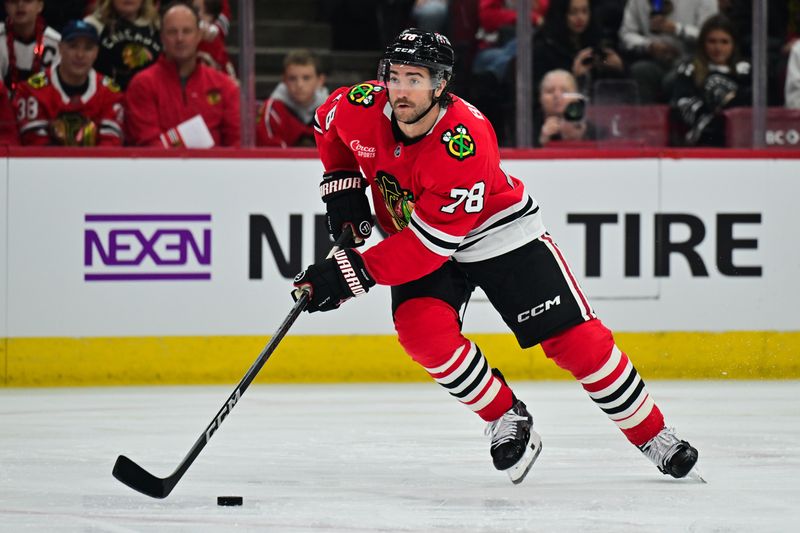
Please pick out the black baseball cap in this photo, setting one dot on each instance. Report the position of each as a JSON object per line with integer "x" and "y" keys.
{"x": 79, "y": 28}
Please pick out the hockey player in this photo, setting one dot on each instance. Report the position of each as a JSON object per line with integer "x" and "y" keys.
{"x": 457, "y": 221}
{"x": 70, "y": 104}
{"x": 27, "y": 44}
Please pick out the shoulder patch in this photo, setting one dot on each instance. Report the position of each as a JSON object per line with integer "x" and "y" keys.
{"x": 363, "y": 94}
{"x": 458, "y": 143}
{"x": 111, "y": 85}
{"x": 38, "y": 80}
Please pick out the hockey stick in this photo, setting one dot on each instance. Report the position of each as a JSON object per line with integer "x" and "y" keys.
{"x": 143, "y": 481}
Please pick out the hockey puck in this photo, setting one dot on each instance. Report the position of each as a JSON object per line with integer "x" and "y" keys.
{"x": 230, "y": 500}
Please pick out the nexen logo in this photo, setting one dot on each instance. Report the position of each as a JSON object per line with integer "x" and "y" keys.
{"x": 147, "y": 247}
{"x": 539, "y": 309}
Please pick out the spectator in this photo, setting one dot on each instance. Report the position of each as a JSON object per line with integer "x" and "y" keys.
{"x": 496, "y": 41}
{"x": 783, "y": 24}
{"x": 562, "y": 115}
{"x": 793, "y": 78}
{"x": 8, "y": 126}
{"x": 70, "y": 104}
{"x": 221, "y": 23}
{"x": 179, "y": 101}
{"x": 286, "y": 117}
{"x": 713, "y": 81}
{"x": 35, "y": 44}
{"x": 657, "y": 35}
{"x": 129, "y": 38}
{"x": 570, "y": 40}
{"x": 212, "y": 50}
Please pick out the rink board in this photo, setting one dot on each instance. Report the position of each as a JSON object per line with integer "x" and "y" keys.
{"x": 176, "y": 270}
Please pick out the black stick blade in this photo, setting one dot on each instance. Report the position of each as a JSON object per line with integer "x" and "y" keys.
{"x": 140, "y": 479}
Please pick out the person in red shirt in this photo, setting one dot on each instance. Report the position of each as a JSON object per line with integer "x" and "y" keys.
{"x": 179, "y": 101}
{"x": 70, "y": 104}
{"x": 8, "y": 125}
{"x": 286, "y": 117}
{"x": 457, "y": 220}
{"x": 212, "y": 49}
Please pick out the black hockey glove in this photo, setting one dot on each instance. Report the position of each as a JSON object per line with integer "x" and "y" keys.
{"x": 331, "y": 282}
{"x": 345, "y": 197}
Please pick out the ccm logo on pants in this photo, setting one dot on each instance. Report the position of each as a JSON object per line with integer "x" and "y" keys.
{"x": 539, "y": 309}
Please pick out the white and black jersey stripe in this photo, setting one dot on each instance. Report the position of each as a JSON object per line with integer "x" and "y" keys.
{"x": 110, "y": 127}
{"x": 433, "y": 239}
{"x": 525, "y": 207}
{"x": 39, "y": 126}
{"x": 504, "y": 231}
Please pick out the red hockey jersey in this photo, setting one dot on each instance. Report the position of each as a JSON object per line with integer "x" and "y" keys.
{"x": 440, "y": 196}
{"x": 46, "y": 115}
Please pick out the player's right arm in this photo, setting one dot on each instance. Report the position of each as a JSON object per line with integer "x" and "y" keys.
{"x": 32, "y": 121}
{"x": 343, "y": 187}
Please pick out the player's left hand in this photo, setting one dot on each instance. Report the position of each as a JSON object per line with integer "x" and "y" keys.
{"x": 333, "y": 281}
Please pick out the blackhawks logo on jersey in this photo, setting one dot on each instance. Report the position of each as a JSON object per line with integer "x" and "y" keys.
{"x": 459, "y": 143}
{"x": 38, "y": 80}
{"x": 399, "y": 202}
{"x": 135, "y": 56}
{"x": 363, "y": 94}
{"x": 73, "y": 129}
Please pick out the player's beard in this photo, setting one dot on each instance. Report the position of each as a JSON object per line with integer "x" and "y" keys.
{"x": 409, "y": 115}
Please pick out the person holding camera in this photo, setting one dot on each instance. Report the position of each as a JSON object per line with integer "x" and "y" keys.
{"x": 563, "y": 110}
{"x": 714, "y": 80}
{"x": 570, "y": 39}
{"x": 656, "y": 35}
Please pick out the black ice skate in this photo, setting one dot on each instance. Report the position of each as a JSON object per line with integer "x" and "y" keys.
{"x": 672, "y": 456}
{"x": 515, "y": 445}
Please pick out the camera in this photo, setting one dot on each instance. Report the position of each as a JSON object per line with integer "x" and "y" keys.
{"x": 598, "y": 56}
{"x": 575, "y": 110}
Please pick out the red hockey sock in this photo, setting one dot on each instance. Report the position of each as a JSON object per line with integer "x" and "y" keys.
{"x": 428, "y": 329}
{"x": 608, "y": 376}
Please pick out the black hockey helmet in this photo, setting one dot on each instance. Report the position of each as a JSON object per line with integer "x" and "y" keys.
{"x": 419, "y": 48}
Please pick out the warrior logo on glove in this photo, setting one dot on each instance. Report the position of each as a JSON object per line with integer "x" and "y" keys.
{"x": 333, "y": 281}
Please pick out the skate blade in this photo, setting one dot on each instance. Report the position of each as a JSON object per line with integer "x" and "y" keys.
{"x": 518, "y": 472}
{"x": 694, "y": 473}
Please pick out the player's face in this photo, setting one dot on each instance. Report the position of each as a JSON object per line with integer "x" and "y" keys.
{"x": 557, "y": 90}
{"x": 128, "y": 9}
{"x": 302, "y": 81}
{"x": 180, "y": 35}
{"x": 23, "y": 12}
{"x": 719, "y": 46}
{"x": 78, "y": 55}
{"x": 578, "y": 16}
{"x": 410, "y": 91}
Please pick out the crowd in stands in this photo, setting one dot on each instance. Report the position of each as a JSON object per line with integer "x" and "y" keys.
{"x": 158, "y": 73}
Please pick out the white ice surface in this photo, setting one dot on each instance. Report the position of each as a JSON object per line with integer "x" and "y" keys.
{"x": 405, "y": 457}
